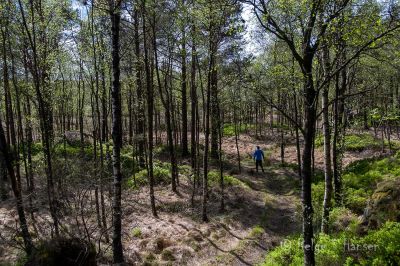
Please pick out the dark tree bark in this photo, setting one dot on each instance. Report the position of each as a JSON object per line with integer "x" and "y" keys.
{"x": 115, "y": 14}
{"x": 214, "y": 108}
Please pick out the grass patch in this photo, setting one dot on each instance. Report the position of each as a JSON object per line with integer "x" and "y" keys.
{"x": 136, "y": 232}
{"x": 257, "y": 231}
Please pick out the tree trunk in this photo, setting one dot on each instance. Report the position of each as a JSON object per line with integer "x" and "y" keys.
{"x": 150, "y": 104}
{"x": 206, "y": 137}
{"x": 185, "y": 149}
{"x": 118, "y": 257}
{"x": 16, "y": 187}
{"x": 327, "y": 204}
{"x": 139, "y": 92}
{"x": 309, "y": 132}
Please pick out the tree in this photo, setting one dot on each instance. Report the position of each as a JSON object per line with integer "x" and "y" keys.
{"x": 115, "y": 15}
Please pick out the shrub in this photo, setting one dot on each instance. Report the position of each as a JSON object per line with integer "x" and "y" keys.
{"x": 361, "y": 178}
{"x": 317, "y": 191}
{"x": 63, "y": 251}
{"x": 343, "y": 219}
{"x": 288, "y": 253}
{"x": 354, "y": 142}
{"x": 162, "y": 175}
{"x": 361, "y": 142}
{"x": 381, "y": 247}
{"x": 356, "y": 199}
{"x": 214, "y": 179}
{"x": 229, "y": 129}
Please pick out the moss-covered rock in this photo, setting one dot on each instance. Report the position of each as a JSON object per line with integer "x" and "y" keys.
{"x": 384, "y": 204}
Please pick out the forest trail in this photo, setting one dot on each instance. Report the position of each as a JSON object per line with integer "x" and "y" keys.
{"x": 278, "y": 201}
{"x": 259, "y": 214}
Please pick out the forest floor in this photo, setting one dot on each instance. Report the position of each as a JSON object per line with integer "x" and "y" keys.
{"x": 258, "y": 214}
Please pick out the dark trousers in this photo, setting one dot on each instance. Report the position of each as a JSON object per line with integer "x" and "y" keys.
{"x": 259, "y": 163}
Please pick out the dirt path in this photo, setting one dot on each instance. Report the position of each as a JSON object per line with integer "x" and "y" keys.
{"x": 274, "y": 207}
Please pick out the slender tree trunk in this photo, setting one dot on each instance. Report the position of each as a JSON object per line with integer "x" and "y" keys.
{"x": 327, "y": 144}
{"x": 115, "y": 14}
{"x": 237, "y": 139}
{"x": 193, "y": 100}
{"x": 185, "y": 149}
{"x": 221, "y": 168}
{"x": 16, "y": 187}
{"x": 139, "y": 91}
{"x": 327, "y": 163}
{"x": 167, "y": 106}
{"x": 309, "y": 132}
{"x": 150, "y": 104}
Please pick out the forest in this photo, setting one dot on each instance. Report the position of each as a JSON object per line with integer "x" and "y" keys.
{"x": 200, "y": 132}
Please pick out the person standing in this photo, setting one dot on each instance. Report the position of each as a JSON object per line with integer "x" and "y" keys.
{"x": 259, "y": 157}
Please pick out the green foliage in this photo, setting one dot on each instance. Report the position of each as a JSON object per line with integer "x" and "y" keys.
{"x": 354, "y": 142}
{"x": 136, "y": 232}
{"x": 361, "y": 177}
{"x": 214, "y": 179}
{"x": 229, "y": 129}
{"x": 342, "y": 219}
{"x": 257, "y": 231}
{"x": 317, "y": 191}
{"x": 36, "y": 148}
{"x": 384, "y": 246}
{"x": 380, "y": 247}
{"x": 356, "y": 199}
{"x": 288, "y": 253}
{"x": 162, "y": 175}
{"x": 361, "y": 142}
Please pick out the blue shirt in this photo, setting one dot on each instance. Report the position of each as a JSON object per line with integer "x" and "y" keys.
{"x": 258, "y": 155}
